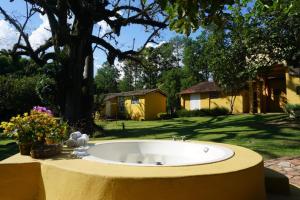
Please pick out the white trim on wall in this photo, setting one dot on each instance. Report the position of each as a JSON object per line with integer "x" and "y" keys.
{"x": 195, "y": 102}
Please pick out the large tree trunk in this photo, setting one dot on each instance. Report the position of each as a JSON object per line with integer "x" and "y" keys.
{"x": 88, "y": 89}
{"x": 78, "y": 101}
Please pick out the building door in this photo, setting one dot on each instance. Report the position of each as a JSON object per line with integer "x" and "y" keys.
{"x": 121, "y": 106}
{"x": 195, "y": 102}
{"x": 108, "y": 109}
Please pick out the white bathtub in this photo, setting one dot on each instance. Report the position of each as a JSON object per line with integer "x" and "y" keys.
{"x": 157, "y": 153}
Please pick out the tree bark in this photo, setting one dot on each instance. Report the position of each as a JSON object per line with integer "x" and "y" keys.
{"x": 88, "y": 85}
{"x": 79, "y": 75}
{"x": 232, "y": 101}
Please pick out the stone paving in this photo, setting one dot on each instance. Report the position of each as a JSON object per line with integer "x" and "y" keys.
{"x": 289, "y": 166}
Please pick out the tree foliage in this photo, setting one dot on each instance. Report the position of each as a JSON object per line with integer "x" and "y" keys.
{"x": 275, "y": 32}
{"x": 236, "y": 45}
{"x": 188, "y": 16}
{"x": 195, "y": 61}
{"x": 72, "y": 25}
{"x": 171, "y": 85}
{"x": 106, "y": 79}
{"x": 17, "y": 95}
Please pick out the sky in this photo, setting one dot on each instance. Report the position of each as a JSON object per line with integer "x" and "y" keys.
{"x": 38, "y": 30}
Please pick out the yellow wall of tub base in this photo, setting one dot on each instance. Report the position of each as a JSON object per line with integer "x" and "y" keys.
{"x": 232, "y": 186}
{"x": 238, "y": 178}
{"x": 21, "y": 181}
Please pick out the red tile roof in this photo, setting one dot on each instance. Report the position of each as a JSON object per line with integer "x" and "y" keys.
{"x": 202, "y": 87}
{"x": 132, "y": 93}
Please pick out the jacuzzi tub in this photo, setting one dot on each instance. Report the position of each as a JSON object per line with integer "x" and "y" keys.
{"x": 240, "y": 177}
{"x": 158, "y": 153}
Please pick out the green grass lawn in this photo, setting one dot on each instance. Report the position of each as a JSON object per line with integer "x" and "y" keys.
{"x": 7, "y": 148}
{"x": 272, "y": 135}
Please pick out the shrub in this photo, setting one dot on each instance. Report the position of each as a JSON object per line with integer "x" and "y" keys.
{"x": 46, "y": 90}
{"x": 17, "y": 95}
{"x": 292, "y": 110}
{"x": 219, "y": 111}
{"x": 289, "y": 107}
{"x": 164, "y": 115}
{"x": 190, "y": 113}
{"x": 203, "y": 112}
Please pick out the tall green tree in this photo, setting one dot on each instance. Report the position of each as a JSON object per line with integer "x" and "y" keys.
{"x": 73, "y": 40}
{"x": 228, "y": 52}
{"x": 132, "y": 77}
{"x": 170, "y": 84}
{"x": 188, "y": 16}
{"x": 106, "y": 79}
{"x": 155, "y": 61}
{"x": 16, "y": 65}
{"x": 152, "y": 63}
{"x": 275, "y": 33}
{"x": 195, "y": 61}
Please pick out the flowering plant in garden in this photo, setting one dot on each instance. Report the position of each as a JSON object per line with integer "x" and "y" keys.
{"x": 42, "y": 110}
{"x": 36, "y": 126}
{"x": 19, "y": 128}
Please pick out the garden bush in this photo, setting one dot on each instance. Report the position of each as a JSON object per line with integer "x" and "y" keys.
{"x": 164, "y": 115}
{"x": 203, "y": 112}
{"x": 17, "y": 95}
{"x": 189, "y": 113}
{"x": 293, "y": 110}
{"x": 219, "y": 111}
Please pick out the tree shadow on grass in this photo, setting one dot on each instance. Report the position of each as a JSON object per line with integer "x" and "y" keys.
{"x": 229, "y": 129}
{"x": 7, "y": 150}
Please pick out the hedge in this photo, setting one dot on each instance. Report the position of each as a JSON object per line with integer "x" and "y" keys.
{"x": 17, "y": 95}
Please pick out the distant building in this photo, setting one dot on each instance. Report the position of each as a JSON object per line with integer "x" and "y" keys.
{"x": 268, "y": 93}
{"x": 137, "y": 105}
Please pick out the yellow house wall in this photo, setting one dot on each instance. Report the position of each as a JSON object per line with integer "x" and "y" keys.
{"x": 113, "y": 107}
{"x": 222, "y": 101}
{"x": 185, "y": 101}
{"x": 240, "y": 104}
{"x": 135, "y": 111}
{"x": 155, "y": 103}
{"x": 291, "y": 83}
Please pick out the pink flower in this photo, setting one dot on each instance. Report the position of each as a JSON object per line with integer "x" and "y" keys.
{"x": 43, "y": 110}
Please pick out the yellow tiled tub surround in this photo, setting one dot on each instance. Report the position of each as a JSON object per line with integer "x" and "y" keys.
{"x": 238, "y": 178}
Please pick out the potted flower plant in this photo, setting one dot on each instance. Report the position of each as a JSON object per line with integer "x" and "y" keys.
{"x": 58, "y": 132}
{"x": 39, "y": 127}
{"x": 20, "y": 128}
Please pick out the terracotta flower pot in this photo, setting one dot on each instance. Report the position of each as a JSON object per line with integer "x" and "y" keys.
{"x": 50, "y": 141}
{"x": 25, "y": 148}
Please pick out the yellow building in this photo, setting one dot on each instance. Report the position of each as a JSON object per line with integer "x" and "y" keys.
{"x": 137, "y": 105}
{"x": 293, "y": 86}
{"x": 207, "y": 95}
{"x": 268, "y": 93}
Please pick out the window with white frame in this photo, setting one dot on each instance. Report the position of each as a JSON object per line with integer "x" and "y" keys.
{"x": 135, "y": 100}
{"x": 121, "y": 104}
